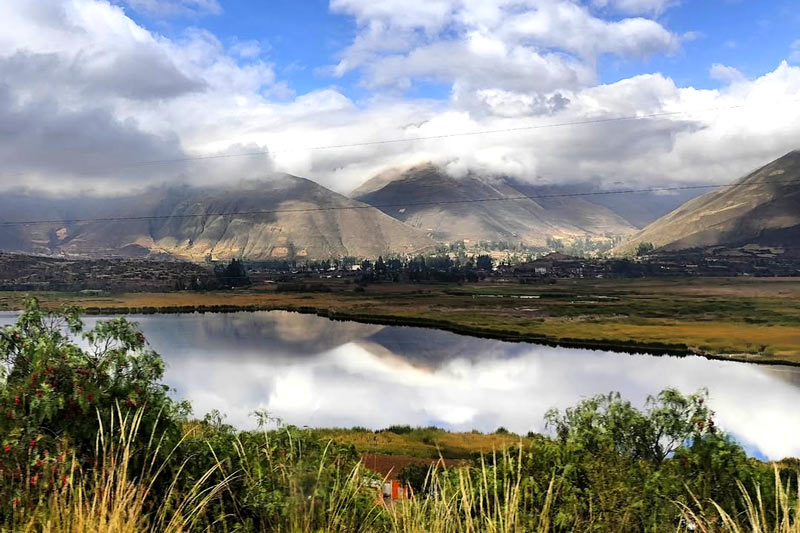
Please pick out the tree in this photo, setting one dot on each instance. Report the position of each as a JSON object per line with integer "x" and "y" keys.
{"x": 669, "y": 421}
{"x": 233, "y": 275}
{"x": 484, "y": 262}
{"x": 54, "y": 392}
{"x": 645, "y": 248}
{"x": 416, "y": 476}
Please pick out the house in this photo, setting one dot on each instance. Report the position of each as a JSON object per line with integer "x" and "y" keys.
{"x": 390, "y": 467}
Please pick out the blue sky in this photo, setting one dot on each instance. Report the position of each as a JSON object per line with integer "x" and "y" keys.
{"x": 140, "y": 80}
{"x": 750, "y": 35}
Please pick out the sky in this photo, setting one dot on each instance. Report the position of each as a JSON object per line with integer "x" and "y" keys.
{"x": 100, "y": 96}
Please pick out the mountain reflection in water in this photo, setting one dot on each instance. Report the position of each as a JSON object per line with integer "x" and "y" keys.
{"x": 317, "y": 372}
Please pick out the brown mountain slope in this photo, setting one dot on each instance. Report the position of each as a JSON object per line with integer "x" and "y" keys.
{"x": 192, "y": 227}
{"x": 459, "y": 217}
{"x": 762, "y": 208}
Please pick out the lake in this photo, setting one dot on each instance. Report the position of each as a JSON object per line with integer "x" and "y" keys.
{"x": 311, "y": 371}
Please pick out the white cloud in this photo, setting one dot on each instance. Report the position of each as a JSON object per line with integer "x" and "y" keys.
{"x": 725, "y": 73}
{"x": 247, "y": 49}
{"x": 794, "y": 55}
{"x": 637, "y": 7}
{"x": 531, "y": 45}
{"x": 171, "y": 8}
{"x": 92, "y": 91}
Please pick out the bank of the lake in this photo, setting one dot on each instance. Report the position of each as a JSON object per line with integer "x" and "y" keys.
{"x": 748, "y": 319}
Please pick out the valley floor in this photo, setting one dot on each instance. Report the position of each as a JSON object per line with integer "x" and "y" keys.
{"x": 753, "y": 319}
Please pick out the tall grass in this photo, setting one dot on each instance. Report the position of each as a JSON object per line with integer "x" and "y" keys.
{"x": 291, "y": 481}
{"x": 465, "y": 500}
{"x": 756, "y": 518}
{"x": 322, "y": 492}
{"x": 110, "y": 497}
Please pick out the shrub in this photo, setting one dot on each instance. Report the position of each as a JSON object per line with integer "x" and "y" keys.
{"x": 53, "y": 392}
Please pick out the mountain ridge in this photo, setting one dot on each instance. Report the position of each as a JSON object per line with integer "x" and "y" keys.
{"x": 467, "y": 212}
{"x": 193, "y": 222}
{"x": 754, "y": 210}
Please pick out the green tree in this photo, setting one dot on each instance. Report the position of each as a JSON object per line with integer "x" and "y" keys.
{"x": 484, "y": 262}
{"x": 416, "y": 476}
{"x": 53, "y": 392}
{"x": 645, "y": 248}
{"x": 233, "y": 275}
{"x": 669, "y": 421}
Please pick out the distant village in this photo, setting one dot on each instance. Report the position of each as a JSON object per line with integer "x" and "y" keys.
{"x": 714, "y": 262}
{"x": 31, "y": 273}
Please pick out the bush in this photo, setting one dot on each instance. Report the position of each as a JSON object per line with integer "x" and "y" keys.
{"x": 282, "y": 480}
{"x": 398, "y": 430}
{"x": 416, "y": 476}
{"x": 53, "y": 393}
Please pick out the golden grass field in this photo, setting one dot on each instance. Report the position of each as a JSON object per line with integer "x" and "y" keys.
{"x": 750, "y": 318}
{"x": 429, "y": 443}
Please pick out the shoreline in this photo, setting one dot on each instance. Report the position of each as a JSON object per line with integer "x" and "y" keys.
{"x": 743, "y": 320}
{"x": 630, "y": 347}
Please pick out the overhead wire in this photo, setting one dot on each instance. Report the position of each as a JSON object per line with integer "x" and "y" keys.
{"x": 530, "y": 127}
{"x": 401, "y": 204}
{"x": 386, "y": 206}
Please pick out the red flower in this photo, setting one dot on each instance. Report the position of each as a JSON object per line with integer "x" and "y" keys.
{"x": 33, "y": 443}
{"x": 34, "y": 479}
{"x": 8, "y": 448}
{"x": 90, "y": 397}
{"x": 39, "y": 463}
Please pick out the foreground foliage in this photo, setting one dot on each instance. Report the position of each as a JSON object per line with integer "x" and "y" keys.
{"x": 91, "y": 441}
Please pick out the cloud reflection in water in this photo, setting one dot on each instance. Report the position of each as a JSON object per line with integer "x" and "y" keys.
{"x": 312, "y": 371}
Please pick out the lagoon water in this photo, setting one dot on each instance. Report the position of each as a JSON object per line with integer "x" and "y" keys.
{"x": 311, "y": 371}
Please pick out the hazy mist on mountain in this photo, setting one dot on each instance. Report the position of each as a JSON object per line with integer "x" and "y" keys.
{"x": 411, "y": 195}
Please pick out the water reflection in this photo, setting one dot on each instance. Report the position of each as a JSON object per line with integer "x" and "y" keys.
{"x": 313, "y": 371}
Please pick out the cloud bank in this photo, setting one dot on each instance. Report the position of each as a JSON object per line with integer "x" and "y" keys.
{"x": 85, "y": 91}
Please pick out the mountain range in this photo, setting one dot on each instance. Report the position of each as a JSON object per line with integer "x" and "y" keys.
{"x": 762, "y": 208}
{"x": 285, "y": 217}
{"x": 400, "y": 211}
{"x": 452, "y": 209}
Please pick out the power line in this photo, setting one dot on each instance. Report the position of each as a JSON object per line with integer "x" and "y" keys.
{"x": 380, "y": 142}
{"x": 438, "y": 136}
{"x": 386, "y": 206}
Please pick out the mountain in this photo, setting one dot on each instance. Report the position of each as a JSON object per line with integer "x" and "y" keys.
{"x": 192, "y": 223}
{"x": 640, "y": 208}
{"x": 762, "y": 208}
{"x": 407, "y": 195}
